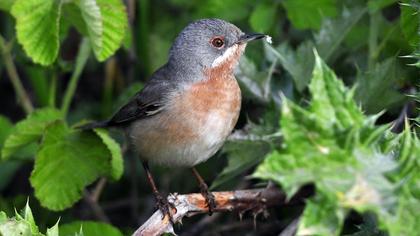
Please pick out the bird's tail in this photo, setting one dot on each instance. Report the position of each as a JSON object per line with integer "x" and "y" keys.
{"x": 93, "y": 125}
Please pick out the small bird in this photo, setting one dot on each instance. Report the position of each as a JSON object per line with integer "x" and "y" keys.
{"x": 190, "y": 105}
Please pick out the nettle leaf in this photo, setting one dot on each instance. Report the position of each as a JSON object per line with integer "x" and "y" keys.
{"x": 106, "y": 23}
{"x": 117, "y": 165}
{"x": 80, "y": 157}
{"x": 89, "y": 228}
{"x": 309, "y": 14}
{"x": 37, "y": 28}
{"x": 29, "y": 130}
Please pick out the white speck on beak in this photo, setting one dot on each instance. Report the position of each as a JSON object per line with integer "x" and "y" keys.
{"x": 268, "y": 39}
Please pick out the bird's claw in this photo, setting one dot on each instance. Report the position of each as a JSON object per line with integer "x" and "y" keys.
{"x": 165, "y": 207}
{"x": 210, "y": 199}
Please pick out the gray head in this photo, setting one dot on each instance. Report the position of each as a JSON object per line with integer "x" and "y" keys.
{"x": 209, "y": 43}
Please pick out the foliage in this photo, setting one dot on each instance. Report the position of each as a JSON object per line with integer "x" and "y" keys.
{"x": 357, "y": 146}
{"x": 333, "y": 145}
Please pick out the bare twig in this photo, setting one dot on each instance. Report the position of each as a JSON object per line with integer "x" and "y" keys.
{"x": 255, "y": 200}
{"x": 96, "y": 208}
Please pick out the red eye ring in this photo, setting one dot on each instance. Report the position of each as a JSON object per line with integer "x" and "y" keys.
{"x": 217, "y": 42}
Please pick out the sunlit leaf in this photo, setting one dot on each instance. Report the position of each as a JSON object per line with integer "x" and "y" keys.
{"x": 37, "y": 28}
{"x": 117, "y": 164}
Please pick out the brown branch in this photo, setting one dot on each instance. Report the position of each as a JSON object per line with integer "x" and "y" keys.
{"x": 255, "y": 200}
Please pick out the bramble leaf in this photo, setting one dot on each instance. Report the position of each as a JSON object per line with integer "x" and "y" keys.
{"x": 29, "y": 130}
{"x": 66, "y": 163}
{"x": 117, "y": 165}
{"x": 37, "y": 28}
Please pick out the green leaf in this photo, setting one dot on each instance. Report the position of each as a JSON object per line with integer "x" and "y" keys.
{"x": 298, "y": 64}
{"x": 333, "y": 32}
{"x": 262, "y": 18}
{"x": 53, "y": 231}
{"x": 37, "y": 28}
{"x": 106, "y": 23}
{"x": 410, "y": 23}
{"x": 383, "y": 78}
{"x": 89, "y": 228}
{"x": 353, "y": 164}
{"x": 29, "y": 130}
{"x": 6, "y": 4}
{"x": 26, "y": 215}
{"x": 309, "y": 14}
{"x": 117, "y": 165}
{"x": 331, "y": 101}
{"x": 81, "y": 158}
{"x": 320, "y": 218}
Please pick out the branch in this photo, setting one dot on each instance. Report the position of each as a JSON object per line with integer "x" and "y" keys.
{"x": 255, "y": 200}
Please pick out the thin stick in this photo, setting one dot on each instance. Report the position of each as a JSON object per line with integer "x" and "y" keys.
{"x": 255, "y": 200}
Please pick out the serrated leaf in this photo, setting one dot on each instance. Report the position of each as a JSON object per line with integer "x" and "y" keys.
{"x": 53, "y": 231}
{"x": 262, "y": 17}
{"x": 117, "y": 165}
{"x": 29, "y": 130}
{"x": 333, "y": 32}
{"x": 89, "y": 228}
{"x": 320, "y": 218}
{"x": 299, "y": 64}
{"x": 28, "y": 217}
{"x": 81, "y": 158}
{"x": 106, "y": 23}
{"x": 309, "y": 14}
{"x": 13, "y": 227}
{"x": 37, "y": 28}
{"x": 330, "y": 100}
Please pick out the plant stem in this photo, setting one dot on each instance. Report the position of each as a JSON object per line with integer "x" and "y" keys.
{"x": 52, "y": 91}
{"x": 82, "y": 56}
{"x": 21, "y": 94}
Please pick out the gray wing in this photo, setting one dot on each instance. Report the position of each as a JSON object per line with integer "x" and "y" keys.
{"x": 149, "y": 101}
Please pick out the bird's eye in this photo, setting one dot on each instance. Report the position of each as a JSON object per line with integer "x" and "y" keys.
{"x": 217, "y": 42}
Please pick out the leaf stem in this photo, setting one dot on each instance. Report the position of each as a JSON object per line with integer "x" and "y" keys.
{"x": 21, "y": 94}
{"x": 52, "y": 91}
{"x": 82, "y": 56}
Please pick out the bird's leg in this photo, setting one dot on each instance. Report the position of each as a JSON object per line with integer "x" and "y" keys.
{"x": 161, "y": 202}
{"x": 204, "y": 189}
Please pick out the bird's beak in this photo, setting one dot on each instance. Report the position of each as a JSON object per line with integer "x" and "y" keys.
{"x": 249, "y": 37}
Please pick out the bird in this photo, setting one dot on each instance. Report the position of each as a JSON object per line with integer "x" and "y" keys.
{"x": 189, "y": 106}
